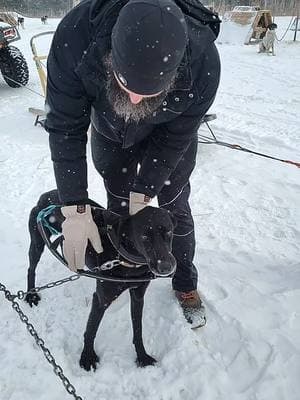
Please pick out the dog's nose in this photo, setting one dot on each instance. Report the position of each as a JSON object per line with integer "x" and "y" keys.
{"x": 165, "y": 267}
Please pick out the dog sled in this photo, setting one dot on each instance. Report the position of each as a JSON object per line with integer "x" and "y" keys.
{"x": 242, "y": 15}
{"x": 254, "y": 20}
{"x": 260, "y": 25}
{"x": 40, "y": 63}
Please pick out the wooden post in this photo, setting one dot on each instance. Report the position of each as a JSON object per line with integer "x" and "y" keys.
{"x": 297, "y": 22}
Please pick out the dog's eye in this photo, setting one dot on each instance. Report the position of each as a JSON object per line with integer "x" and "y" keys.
{"x": 144, "y": 238}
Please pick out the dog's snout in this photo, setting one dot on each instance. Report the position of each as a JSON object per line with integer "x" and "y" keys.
{"x": 166, "y": 267}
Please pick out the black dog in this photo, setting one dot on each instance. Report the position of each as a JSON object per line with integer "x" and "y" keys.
{"x": 20, "y": 21}
{"x": 145, "y": 238}
{"x": 44, "y": 19}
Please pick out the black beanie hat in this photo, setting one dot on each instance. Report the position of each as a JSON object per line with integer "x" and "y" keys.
{"x": 148, "y": 43}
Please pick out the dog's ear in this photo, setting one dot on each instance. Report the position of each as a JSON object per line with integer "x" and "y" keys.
{"x": 173, "y": 218}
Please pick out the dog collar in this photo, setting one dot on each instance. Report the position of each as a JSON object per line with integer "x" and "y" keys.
{"x": 111, "y": 223}
{"x": 108, "y": 265}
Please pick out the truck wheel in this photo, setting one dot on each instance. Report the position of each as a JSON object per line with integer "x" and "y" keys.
{"x": 14, "y": 67}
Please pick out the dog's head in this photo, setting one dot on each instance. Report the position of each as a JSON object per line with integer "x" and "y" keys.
{"x": 272, "y": 26}
{"x": 151, "y": 232}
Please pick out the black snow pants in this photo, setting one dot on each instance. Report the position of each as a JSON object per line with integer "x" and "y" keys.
{"x": 118, "y": 167}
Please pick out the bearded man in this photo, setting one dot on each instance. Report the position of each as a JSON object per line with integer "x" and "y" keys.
{"x": 143, "y": 74}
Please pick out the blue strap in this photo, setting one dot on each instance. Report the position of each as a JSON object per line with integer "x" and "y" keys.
{"x": 43, "y": 214}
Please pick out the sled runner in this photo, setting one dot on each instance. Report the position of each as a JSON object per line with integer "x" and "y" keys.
{"x": 39, "y": 114}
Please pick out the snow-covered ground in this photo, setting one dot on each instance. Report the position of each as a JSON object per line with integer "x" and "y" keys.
{"x": 247, "y": 218}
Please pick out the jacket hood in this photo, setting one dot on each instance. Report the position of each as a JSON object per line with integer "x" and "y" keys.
{"x": 103, "y": 14}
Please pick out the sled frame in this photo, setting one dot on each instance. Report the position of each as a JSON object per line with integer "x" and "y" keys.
{"x": 41, "y": 69}
{"x": 39, "y": 58}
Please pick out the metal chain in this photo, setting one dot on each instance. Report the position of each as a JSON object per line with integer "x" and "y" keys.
{"x": 106, "y": 266}
{"x": 21, "y": 294}
{"x": 287, "y": 29}
{"x": 40, "y": 342}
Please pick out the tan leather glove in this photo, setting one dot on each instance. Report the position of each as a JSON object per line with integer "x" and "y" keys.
{"x": 138, "y": 201}
{"x": 77, "y": 228}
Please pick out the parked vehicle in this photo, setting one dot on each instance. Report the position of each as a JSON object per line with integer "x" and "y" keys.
{"x": 13, "y": 65}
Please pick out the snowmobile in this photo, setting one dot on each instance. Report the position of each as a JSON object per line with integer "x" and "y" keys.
{"x": 13, "y": 65}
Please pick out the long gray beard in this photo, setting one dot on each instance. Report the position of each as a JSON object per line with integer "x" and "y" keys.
{"x": 120, "y": 101}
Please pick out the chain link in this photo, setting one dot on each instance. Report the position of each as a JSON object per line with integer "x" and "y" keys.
{"x": 39, "y": 341}
{"x": 21, "y": 294}
{"x": 108, "y": 265}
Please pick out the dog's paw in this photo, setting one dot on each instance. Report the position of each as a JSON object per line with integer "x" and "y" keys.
{"x": 32, "y": 299}
{"x": 145, "y": 361}
{"x": 88, "y": 360}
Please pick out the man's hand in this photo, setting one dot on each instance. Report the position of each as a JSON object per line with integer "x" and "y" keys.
{"x": 77, "y": 228}
{"x": 138, "y": 201}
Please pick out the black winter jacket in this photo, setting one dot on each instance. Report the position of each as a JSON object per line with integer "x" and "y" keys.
{"x": 76, "y": 97}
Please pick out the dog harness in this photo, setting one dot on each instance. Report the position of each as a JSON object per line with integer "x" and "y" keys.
{"x": 49, "y": 221}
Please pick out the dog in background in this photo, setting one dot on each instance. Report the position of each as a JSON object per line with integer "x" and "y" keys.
{"x": 20, "y": 22}
{"x": 44, "y": 19}
{"x": 145, "y": 237}
{"x": 267, "y": 43}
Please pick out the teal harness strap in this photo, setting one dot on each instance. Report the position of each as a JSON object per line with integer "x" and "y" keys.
{"x": 43, "y": 214}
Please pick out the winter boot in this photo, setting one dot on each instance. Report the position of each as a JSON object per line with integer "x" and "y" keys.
{"x": 192, "y": 307}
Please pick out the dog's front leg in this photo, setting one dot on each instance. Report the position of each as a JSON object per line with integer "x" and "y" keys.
{"x": 32, "y": 298}
{"x": 105, "y": 294}
{"x": 88, "y": 357}
{"x": 137, "y": 305}
{"x": 273, "y": 50}
{"x": 35, "y": 251}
